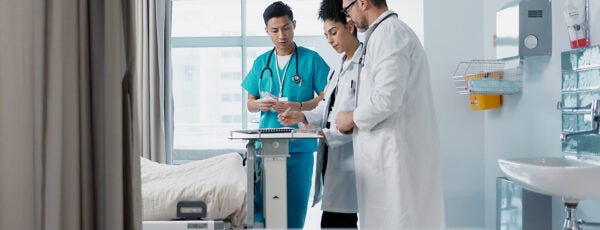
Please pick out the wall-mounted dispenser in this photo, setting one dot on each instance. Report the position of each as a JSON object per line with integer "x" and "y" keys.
{"x": 524, "y": 28}
{"x": 576, "y": 14}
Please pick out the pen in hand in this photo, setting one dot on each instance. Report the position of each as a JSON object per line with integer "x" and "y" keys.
{"x": 281, "y": 117}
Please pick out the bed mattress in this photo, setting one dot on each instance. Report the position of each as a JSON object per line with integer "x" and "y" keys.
{"x": 220, "y": 182}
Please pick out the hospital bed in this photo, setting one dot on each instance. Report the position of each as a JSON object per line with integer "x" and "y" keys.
{"x": 218, "y": 183}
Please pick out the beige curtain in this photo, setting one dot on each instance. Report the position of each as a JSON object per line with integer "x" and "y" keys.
{"x": 65, "y": 155}
{"x": 151, "y": 89}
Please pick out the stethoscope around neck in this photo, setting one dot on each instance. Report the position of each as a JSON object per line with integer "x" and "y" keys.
{"x": 296, "y": 78}
{"x": 361, "y": 60}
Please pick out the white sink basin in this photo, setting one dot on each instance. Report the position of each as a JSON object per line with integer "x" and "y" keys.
{"x": 572, "y": 177}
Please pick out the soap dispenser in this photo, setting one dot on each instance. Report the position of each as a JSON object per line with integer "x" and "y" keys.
{"x": 575, "y": 13}
{"x": 524, "y": 28}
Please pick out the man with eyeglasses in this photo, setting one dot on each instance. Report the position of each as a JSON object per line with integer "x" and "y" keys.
{"x": 396, "y": 144}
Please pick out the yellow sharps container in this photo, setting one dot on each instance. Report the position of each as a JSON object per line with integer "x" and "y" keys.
{"x": 484, "y": 101}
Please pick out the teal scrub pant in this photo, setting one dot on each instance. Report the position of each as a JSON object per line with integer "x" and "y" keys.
{"x": 299, "y": 168}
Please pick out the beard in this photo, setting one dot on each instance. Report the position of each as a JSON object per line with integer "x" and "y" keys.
{"x": 361, "y": 25}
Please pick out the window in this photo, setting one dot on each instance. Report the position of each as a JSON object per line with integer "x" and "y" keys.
{"x": 210, "y": 57}
{"x": 196, "y": 18}
{"x": 214, "y": 43}
{"x": 231, "y": 76}
{"x": 231, "y": 97}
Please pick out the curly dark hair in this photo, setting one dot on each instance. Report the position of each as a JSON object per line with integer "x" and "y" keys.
{"x": 331, "y": 10}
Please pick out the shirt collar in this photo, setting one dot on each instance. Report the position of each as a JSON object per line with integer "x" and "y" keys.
{"x": 357, "y": 53}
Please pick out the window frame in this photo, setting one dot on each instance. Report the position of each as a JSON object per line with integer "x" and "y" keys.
{"x": 243, "y": 41}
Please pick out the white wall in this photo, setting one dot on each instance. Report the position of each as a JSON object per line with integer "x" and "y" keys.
{"x": 527, "y": 124}
{"x": 411, "y": 12}
{"x": 453, "y": 33}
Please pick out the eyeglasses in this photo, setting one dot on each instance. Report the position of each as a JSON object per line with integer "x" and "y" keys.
{"x": 345, "y": 9}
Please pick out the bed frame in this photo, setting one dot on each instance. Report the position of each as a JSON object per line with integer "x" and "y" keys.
{"x": 187, "y": 225}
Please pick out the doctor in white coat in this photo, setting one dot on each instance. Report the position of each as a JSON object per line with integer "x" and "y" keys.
{"x": 396, "y": 146}
{"x": 335, "y": 181}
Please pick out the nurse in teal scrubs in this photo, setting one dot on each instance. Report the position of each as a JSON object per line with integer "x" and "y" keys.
{"x": 296, "y": 77}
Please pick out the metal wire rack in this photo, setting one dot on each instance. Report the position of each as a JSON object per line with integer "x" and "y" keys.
{"x": 488, "y": 77}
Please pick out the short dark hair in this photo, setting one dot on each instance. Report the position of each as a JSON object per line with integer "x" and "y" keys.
{"x": 278, "y": 9}
{"x": 332, "y": 10}
{"x": 379, "y": 3}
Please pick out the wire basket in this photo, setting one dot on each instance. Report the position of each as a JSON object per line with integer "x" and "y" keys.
{"x": 496, "y": 77}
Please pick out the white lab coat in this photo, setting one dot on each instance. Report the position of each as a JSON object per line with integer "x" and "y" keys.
{"x": 339, "y": 192}
{"x": 395, "y": 137}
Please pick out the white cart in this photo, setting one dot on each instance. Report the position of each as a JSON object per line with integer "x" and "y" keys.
{"x": 274, "y": 151}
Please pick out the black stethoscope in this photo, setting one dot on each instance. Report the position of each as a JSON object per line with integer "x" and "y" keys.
{"x": 296, "y": 78}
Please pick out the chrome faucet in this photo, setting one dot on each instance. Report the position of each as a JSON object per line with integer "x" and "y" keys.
{"x": 572, "y": 223}
{"x": 564, "y": 136}
{"x": 591, "y": 109}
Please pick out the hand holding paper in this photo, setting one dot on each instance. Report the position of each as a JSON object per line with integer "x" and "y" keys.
{"x": 266, "y": 101}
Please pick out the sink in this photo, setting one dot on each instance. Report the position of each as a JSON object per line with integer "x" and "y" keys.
{"x": 572, "y": 177}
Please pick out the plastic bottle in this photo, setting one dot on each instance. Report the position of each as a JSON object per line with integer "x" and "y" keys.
{"x": 576, "y": 24}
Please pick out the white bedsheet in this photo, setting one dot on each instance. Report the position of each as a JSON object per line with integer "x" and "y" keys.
{"x": 220, "y": 182}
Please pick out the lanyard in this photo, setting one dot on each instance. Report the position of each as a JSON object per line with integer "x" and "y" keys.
{"x": 281, "y": 79}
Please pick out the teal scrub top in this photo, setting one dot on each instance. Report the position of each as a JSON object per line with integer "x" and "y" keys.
{"x": 311, "y": 68}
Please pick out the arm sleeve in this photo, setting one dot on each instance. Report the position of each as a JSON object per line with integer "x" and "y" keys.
{"x": 390, "y": 70}
{"x": 321, "y": 69}
{"x": 250, "y": 82}
{"x": 315, "y": 116}
{"x": 335, "y": 138}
